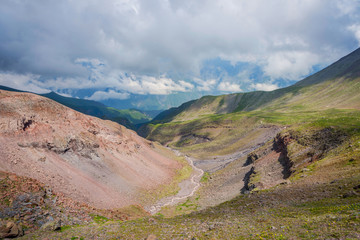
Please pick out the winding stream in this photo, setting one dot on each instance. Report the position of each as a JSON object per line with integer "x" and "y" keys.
{"x": 187, "y": 187}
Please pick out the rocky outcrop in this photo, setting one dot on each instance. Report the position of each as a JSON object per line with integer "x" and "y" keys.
{"x": 30, "y": 205}
{"x": 54, "y": 225}
{"x": 317, "y": 144}
{"x": 248, "y": 186}
{"x": 25, "y": 123}
{"x": 280, "y": 144}
{"x": 73, "y": 144}
{"x": 287, "y": 153}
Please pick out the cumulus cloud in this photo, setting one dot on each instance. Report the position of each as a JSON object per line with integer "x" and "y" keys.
{"x": 356, "y": 30}
{"x": 111, "y": 94}
{"x": 264, "y": 86}
{"x": 77, "y": 44}
{"x": 204, "y": 85}
{"x": 229, "y": 87}
{"x": 290, "y": 64}
{"x": 24, "y": 82}
{"x": 152, "y": 85}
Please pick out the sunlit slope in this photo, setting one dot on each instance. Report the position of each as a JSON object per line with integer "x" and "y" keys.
{"x": 217, "y": 125}
{"x": 336, "y": 86}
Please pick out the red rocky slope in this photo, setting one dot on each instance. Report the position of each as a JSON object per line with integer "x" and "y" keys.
{"x": 88, "y": 159}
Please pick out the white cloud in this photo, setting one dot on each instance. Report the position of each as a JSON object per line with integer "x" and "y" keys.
{"x": 111, "y": 94}
{"x": 204, "y": 85}
{"x": 154, "y": 39}
{"x": 229, "y": 87}
{"x": 161, "y": 86}
{"x": 355, "y": 28}
{"x": 24, "y": 82}
{"x": 64, "y": 94}
{"x": 292, "y": 65}
{"x": 264, "y": 86}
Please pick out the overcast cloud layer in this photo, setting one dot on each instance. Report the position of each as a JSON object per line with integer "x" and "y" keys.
{"x": 121, "y": 47}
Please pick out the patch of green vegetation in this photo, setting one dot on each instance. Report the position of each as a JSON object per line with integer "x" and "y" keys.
{"x": 183, "y": 142}
{"x": 75, "y": 238}
{"x": 254, "y": 180}
{"x": 187, "y": 206}
{"x": 159, "y": 215}
{"x": 6, "y": 202}
{"x": 205, "y": 177}
{"x": 66, "y": 227}
{"x": 99, "y": 219}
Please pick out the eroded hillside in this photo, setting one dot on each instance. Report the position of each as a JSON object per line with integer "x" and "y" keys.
{"x": 97, "y": 162}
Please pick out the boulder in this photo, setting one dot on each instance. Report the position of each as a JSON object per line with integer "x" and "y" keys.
{"x": 11, "y": 230}
{"x": 51, "y": 225}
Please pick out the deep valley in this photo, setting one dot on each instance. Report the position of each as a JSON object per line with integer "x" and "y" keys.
{"x": 282, "y": 164}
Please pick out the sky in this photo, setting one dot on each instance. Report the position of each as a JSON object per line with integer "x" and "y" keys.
{"x": 114, "y": 49}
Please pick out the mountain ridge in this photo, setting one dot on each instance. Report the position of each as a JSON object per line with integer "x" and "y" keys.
{"x": 126, "y": 117}
{"x": 344, "y": 71}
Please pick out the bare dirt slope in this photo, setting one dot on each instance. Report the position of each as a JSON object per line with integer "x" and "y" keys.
{"x": 91, "y": 160}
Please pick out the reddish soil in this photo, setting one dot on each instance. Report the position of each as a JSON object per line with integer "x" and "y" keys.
{"x": 97, "y": 162}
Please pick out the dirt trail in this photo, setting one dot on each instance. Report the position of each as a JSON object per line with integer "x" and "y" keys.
{"x": 187, "y": 187}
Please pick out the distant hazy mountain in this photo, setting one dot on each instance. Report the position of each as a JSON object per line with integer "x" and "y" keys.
{"x": 152, "y": 102}
{"x": 126, "y": 117}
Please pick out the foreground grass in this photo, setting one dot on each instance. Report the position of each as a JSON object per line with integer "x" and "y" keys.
{"x": 319, "y": 211}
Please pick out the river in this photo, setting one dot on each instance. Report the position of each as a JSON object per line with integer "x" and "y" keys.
{"x": 188, "y": 187}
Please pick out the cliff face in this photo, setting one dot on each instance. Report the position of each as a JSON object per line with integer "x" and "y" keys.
{"x": 91, "y": 160}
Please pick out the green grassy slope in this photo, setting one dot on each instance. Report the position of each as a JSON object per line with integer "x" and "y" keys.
{"x": 127, "y": 117}
{"x": 223, "y": 120}
{"x": 336, "y": 86}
